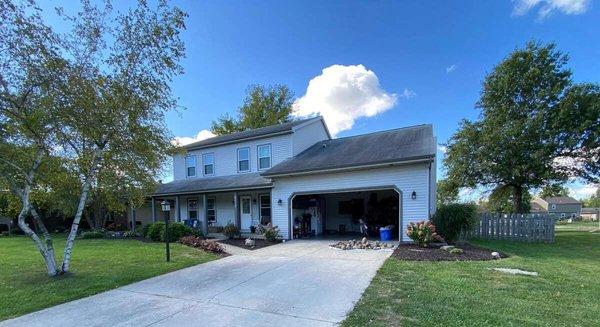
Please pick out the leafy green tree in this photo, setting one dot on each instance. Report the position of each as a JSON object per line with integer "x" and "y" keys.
{"x": 263, "y": 106}
{"x": 501, "y": 199}
{"x": 93, "y": 98}
{"x": 553, "y": 190}
{"x": 447, "y": 192}
{"x": 535, "y": 127}
{"x": 593, "y": 201}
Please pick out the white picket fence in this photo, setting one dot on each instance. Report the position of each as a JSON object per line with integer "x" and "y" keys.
{"x": 514, "y": 227}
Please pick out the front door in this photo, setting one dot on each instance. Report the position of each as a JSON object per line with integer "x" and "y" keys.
{"x": 246, "y": 211}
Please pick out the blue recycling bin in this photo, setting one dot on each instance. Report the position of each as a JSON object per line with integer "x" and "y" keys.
{"x": 385, "y": 234}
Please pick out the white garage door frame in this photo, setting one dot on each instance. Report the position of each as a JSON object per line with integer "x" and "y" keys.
{"x": 346, "y": 190}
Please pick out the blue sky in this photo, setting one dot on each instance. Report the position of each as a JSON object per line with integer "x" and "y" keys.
{"x": 429, "y": 57}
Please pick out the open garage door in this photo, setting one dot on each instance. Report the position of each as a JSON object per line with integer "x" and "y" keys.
{"x": 345, "y": 214}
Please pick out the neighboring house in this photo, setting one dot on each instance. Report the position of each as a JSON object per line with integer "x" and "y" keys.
{"x": 559, "y": 207}
{"x": 280, "y": 173}
{"x": 590, "y": 214}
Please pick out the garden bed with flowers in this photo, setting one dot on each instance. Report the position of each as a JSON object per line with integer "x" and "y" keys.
{"x": 413, "y": 252}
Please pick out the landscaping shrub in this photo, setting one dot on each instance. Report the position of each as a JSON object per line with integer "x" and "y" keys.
{"x": 271, "y": 233}
{"x": 92, "y": 234}
{"x": 231, "y": 231}
{"x": 156, "y": 232}
{"x": 422, "y": 233}
{"x": 210, "y": 246}
{"x": 451, "y": 219}
{"x": 146, "y": 230}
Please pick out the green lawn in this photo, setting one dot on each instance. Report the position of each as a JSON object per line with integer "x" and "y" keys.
{"x": 567, "y": 292}
{"x": 97, "y": 265}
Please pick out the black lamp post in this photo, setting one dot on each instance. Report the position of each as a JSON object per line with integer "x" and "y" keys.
{"x": 166, "y": 207}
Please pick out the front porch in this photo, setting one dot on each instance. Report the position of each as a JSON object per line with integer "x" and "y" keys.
{"x": 211, "y": 211}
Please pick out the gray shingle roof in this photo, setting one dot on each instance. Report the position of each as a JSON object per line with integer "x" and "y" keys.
{"x": 213, "y": 184}
{"x": 253, "y": 133}
{"x": 561, "y": 200}
{"x": 392, "y": 146}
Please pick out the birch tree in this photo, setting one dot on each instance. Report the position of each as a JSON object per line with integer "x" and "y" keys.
{"x": 95, "y": 98}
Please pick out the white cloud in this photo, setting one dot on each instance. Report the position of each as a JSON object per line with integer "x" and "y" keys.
{"x": 582, "y": 191}
{"x": 443, "y": 149}
{"x": 407, "y": 94}
{"x": 450, "y": 69}
{"x": 546, "y": 7}
{"x": 202, "y": 135}
{"x": 342, "y": 94}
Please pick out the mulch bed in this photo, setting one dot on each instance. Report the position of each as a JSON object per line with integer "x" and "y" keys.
{"x": 412, "y": 252}
{"x": 241, "y": 243}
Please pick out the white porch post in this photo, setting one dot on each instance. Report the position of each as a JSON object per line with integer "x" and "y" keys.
{"x": 153, "y": 210}
{"x": 178, "y": 208}
{"x": 204, "y": 218}
{"x": 236, "y": 210}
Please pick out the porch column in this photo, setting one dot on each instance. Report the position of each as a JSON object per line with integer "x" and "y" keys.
{"x": 132, "y": 228}
{"x": 153, "y": 210}
{"x": 236, "y": 209}
{"x": 178, "y": 208}
{"x": 204, "y": 219}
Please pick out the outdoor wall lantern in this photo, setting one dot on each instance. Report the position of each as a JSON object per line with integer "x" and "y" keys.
{"x": 414, "y": 195}
{"x": 279, "y": 202}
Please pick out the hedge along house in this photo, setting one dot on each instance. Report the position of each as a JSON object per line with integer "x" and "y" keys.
{"x": 297, "y": 177}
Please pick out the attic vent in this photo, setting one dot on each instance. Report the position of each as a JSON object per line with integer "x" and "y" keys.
{"x": 323, "y": 145}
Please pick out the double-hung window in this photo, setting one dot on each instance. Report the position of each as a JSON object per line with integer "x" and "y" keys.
{"x": 264, "y": 156}
{"x": 211, "y": 210}
{"x": 190, "y": 166}
{"x": 243, "y": 157}
{"x": 208, "y": 162}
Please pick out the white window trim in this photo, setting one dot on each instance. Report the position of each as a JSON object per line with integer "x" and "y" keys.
{"x": 258, "y": 157}
{"x": 214, "y": 198}
{"x": 260, "y": 207}
{"x": 204, "y": 164}
{"x": 238, "y": 160}
{"x": 195, "y": 166}
{"x": 197, "y": 207}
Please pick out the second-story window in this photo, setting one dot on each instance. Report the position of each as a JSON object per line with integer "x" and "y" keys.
{"x": 190, "y": 165}
{"x": 243, "y": 156}
{"x": 208, "y": 161}
{"x": 264, "y": 156}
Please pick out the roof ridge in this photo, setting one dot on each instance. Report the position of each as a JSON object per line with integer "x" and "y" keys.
{"x": 291, "y": 122}
{"x": 381, "y": 132}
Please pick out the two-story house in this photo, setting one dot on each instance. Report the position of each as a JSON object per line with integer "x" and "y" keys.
{"x": 300, "y": 179}
{"x": 559, "y": 207}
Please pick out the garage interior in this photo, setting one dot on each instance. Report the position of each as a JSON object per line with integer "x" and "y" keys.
{"x": 339, "y": 215}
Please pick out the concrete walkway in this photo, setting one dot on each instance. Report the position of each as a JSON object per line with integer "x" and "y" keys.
{"x": 297, "y": 283}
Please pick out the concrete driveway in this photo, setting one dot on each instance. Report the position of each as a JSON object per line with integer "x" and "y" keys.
{"x": 297, "y": 283}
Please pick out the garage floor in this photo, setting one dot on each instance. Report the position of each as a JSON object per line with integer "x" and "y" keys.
{"x": 297, "y": 283}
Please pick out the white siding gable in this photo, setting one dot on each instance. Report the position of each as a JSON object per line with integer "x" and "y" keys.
{"x": 307, "y": 135}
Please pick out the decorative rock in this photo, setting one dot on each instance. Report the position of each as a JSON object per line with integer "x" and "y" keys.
{"x": 516, "y": 271}
{"x": 250, "y": 243}
{"x": 447, "y": 247}
{"x": 496, "y": 255}
{"x": 363, "y": 244}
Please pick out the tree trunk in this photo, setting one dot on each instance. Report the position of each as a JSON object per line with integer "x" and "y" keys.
{"x": 47, "y": 253}
{"x": 82, "y": 201}
{"x": 49, "y": 246}
{"x": 517, "y": 199}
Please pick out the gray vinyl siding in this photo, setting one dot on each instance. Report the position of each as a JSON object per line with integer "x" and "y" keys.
{"x": 308, "y": 135}
{"x": 225, "y": 162}
{"x": 406, "y": 178}
{"x": 567, "y": 209}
